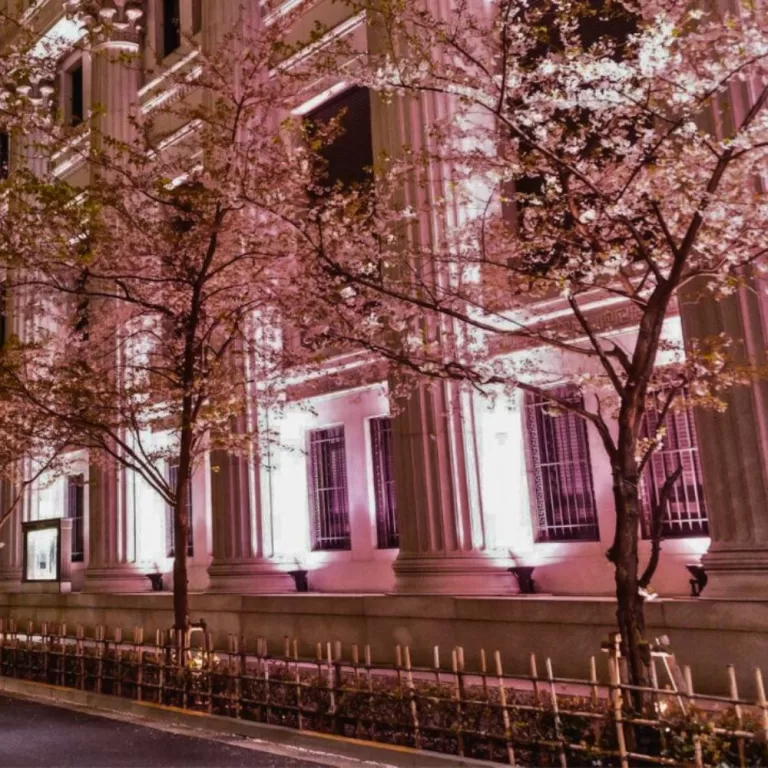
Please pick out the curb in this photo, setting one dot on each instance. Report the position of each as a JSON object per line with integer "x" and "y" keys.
{"x": 321, "y": 744}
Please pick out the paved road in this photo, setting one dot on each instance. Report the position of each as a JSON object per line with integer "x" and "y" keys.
{"x": 36, "y": 735}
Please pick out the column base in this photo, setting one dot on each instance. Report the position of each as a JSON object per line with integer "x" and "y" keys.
{"x": 115, "y": 580}
{"x": 251, "y": 577}
{"x": 736, "y": 573}
{"x": 10, "y": 580}
{"x": 454, "y": 574}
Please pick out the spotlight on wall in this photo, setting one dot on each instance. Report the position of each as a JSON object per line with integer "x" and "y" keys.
{"x": 524, "y": 576}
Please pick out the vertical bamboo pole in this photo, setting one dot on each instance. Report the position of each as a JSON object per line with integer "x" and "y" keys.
{"x": 504, "y": 710}
{"x": 160, "y": 651}
{"x": 100, "y": 643}
{"x": 697, "y": 754}
{"x": 241, "y": 673}
{"x": 209, "y": 668}
{"x": 484, "y": 673}
{"x": 63, "y": 655}
{"x": 371, "y": 697}
{"x": 457, "y": 696}
{"x": 616, "y": 696}
{"x": 412, "y": 696}
{"x": 761, "y": 701}
{"x": 535, "y": 679}
{"x": 658, "y": 705}
{"x": 356, "y": 663}
{"x": 329, "y": 685}
{"x": 734, "y": 693}
{"x": 556, "y": 713}
{"x": 297, "y": 678}
{"x": 436, "y": 663}
{"x": 80, "y": 651}
{"x": 138, "y": 650}
{"x": 118, "y": 661}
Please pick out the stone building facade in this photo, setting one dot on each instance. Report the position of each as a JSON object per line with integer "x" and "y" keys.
{"x": 445, "y": 497}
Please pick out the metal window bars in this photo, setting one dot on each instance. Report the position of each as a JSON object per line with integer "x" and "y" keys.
{"x": 76, "y": 513}
{"x": 686, "y": 513}
{"x": 173, "y": 479}
{"x": 387, "y": 536}
{"x": 328, "y": 494}
{"x": 558, "y": 450}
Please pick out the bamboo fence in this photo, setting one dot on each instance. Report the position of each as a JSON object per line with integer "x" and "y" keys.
{"x": 485, "y": 712}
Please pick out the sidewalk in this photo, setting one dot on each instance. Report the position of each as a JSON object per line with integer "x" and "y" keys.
{"x": 320, "y": 749}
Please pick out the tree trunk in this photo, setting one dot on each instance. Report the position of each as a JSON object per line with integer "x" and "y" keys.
{"x": 624, "y": 555}
{"x": 180, "y": 531}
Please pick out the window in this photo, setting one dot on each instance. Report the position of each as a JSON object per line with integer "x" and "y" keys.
{"x": 173, "y": 476}
{"x": 328, "y": 489}
{"x": 197, "y": 16}
{"x": 561, "y": 470}
{"x": 384, "y": 483}
{"x": 686, "y": 513}
{"x": 76, "y": 513}
{"x": 76, "y": 95}
{"x": 5, "y": 154}
{"x": 347, "y": 160}
{"x": 171, "y": 26}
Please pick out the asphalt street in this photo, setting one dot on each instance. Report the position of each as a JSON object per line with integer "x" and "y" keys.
{"x": 34, "y": 735}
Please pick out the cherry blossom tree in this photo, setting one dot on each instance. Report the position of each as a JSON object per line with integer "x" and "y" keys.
{"x": 157, "y": 287}
{"x": 27, "y": 69}
{"x": 576, "y": 154}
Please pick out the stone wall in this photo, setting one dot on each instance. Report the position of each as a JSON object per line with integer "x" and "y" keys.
{"x": 707, "y": 634}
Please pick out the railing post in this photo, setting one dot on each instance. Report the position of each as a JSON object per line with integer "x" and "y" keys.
{"x": 614, "y": 655}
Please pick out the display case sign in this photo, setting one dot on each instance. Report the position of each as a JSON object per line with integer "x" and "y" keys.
{"x": 47, "y": 547}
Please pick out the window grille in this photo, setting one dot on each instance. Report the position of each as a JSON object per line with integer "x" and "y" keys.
{"x": 561, "y": 470}
{"x": 686, "y": 513}
{"x": 173, "y": 478}
{"x": 329, "y": 504}
{"x": 387, "y": 535}
{"x": 76, "y": 513}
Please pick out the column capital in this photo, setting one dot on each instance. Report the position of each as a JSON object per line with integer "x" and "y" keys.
{"x": 109, "y": 21}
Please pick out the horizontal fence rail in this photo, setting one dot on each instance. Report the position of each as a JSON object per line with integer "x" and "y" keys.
{"x": 534, "y": 719}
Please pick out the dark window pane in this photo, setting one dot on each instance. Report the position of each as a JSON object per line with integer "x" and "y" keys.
{"x": 173, "y": 478}
{"x": 78, "y": 102}
{"x": 5, "y": 154}
{"x": 171, "y": 26}
{"x": 348, "y": 159}
{"x": 384, "y": 483}
{"x": 76, "y": 513}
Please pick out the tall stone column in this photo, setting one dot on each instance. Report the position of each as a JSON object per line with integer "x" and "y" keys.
{"x": 115, "y": 83}
{"x": 439, "y": 508}
{"x": 443, "y": 544}
{"x": 27, "y": 152}
{"x": 733, "y": 447}
{"x": 241, "y": 512}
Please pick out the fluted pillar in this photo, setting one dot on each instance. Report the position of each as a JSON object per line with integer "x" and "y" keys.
{"x": 439, "y": 505}
{"x": 28, "y": 152}
{"x": 443, "y": 544}
{"x": 241, "y": 510}
{"x": 733, "y": 448}
{"x": 115, "y": 82}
